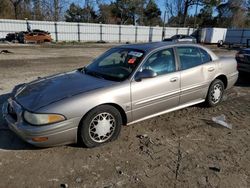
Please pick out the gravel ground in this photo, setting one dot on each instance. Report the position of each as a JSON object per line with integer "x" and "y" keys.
{"x": 179, "y": 149}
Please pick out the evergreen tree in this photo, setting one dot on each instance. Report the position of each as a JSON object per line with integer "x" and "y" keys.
{"x": 74, "y": 13}
{"x": 152, "y": 14}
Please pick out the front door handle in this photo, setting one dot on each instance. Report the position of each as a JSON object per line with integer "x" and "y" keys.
{"x": 173, "y": 79}
{"x": 210, "y": 69}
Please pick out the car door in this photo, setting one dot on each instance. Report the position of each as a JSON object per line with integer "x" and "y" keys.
{"x": 197, "y": 71}
{"x": 154, "y": 95}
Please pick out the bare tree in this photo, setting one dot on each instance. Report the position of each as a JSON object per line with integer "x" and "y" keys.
{"x": 5, "y": 9}
{"x": 15, "y": 4}
{"x": 174, "y": 8}
{"x": 37, "y": 10}
{"x": 179, "y": 8}
{"x": 53, "y": 9}
{"x": 56, "y": 10}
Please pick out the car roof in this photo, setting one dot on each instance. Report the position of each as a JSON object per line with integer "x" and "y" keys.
{"x": 147, "y": 47}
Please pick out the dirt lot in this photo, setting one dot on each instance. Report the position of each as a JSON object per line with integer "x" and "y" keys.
{"x": 180, "y": 149}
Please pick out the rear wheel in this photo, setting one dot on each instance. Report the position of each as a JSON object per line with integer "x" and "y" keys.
{"x": 100, "y": 125}
{"x": 215, "y": 93}
{"x": 220, "y": 43}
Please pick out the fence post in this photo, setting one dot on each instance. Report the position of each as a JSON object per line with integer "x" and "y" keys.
{"x": 56, "y": 33}
{"x": 241, "y": 37}
{"x": 177, "y": 30}
{"x": 163, "y": 33}
{"x": 120, "y": 33}
{"x": 136, "y": 30}
{"x": 248, "y": 43}
{"x": 150, "y": 34}
{"x": 188, "y": 30}
{"x": 100, "y": 32}
{"x": 28, "y": 25}
{"x": 78, "y": 32}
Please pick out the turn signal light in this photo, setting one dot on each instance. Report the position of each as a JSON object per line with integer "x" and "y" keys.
{"x": 40, "y": 139}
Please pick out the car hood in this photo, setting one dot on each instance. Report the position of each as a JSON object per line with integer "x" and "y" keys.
{"x": 45, "y": 91}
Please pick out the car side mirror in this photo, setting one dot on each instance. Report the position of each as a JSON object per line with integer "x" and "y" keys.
{"x": 146, "y": 73}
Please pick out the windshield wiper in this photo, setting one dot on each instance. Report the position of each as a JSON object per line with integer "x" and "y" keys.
{"x": 83, "y": 70}
{"x": 93, "y": 73}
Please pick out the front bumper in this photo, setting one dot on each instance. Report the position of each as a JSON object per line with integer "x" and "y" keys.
{"x": 61, "y": 133}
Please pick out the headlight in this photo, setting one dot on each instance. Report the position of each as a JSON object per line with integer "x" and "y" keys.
{"x": 42, "y": 119}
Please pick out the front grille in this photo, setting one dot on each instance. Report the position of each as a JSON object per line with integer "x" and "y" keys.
{"x": 12, "y": 112}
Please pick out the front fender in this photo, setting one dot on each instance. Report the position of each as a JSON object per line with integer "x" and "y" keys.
{"x": 79, "y": 105}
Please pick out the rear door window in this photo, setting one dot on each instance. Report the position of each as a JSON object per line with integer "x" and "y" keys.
{"x": 189, "y": 57}
{"x": 205, "y": 56}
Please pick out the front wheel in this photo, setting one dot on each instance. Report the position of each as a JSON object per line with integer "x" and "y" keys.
{"x": 100, "y": 125}
{"x": 215, "y": 93}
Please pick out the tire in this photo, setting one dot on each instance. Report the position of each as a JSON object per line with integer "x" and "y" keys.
{"x": 215, "y": 93}
{"x": 101, "y": 125}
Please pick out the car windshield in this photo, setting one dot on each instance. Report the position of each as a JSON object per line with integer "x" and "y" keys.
{"x": 116, "y": 64}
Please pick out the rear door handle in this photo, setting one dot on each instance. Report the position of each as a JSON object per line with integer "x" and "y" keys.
{"x": 173, "y": 79}
{"x": 210, "y": 69}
